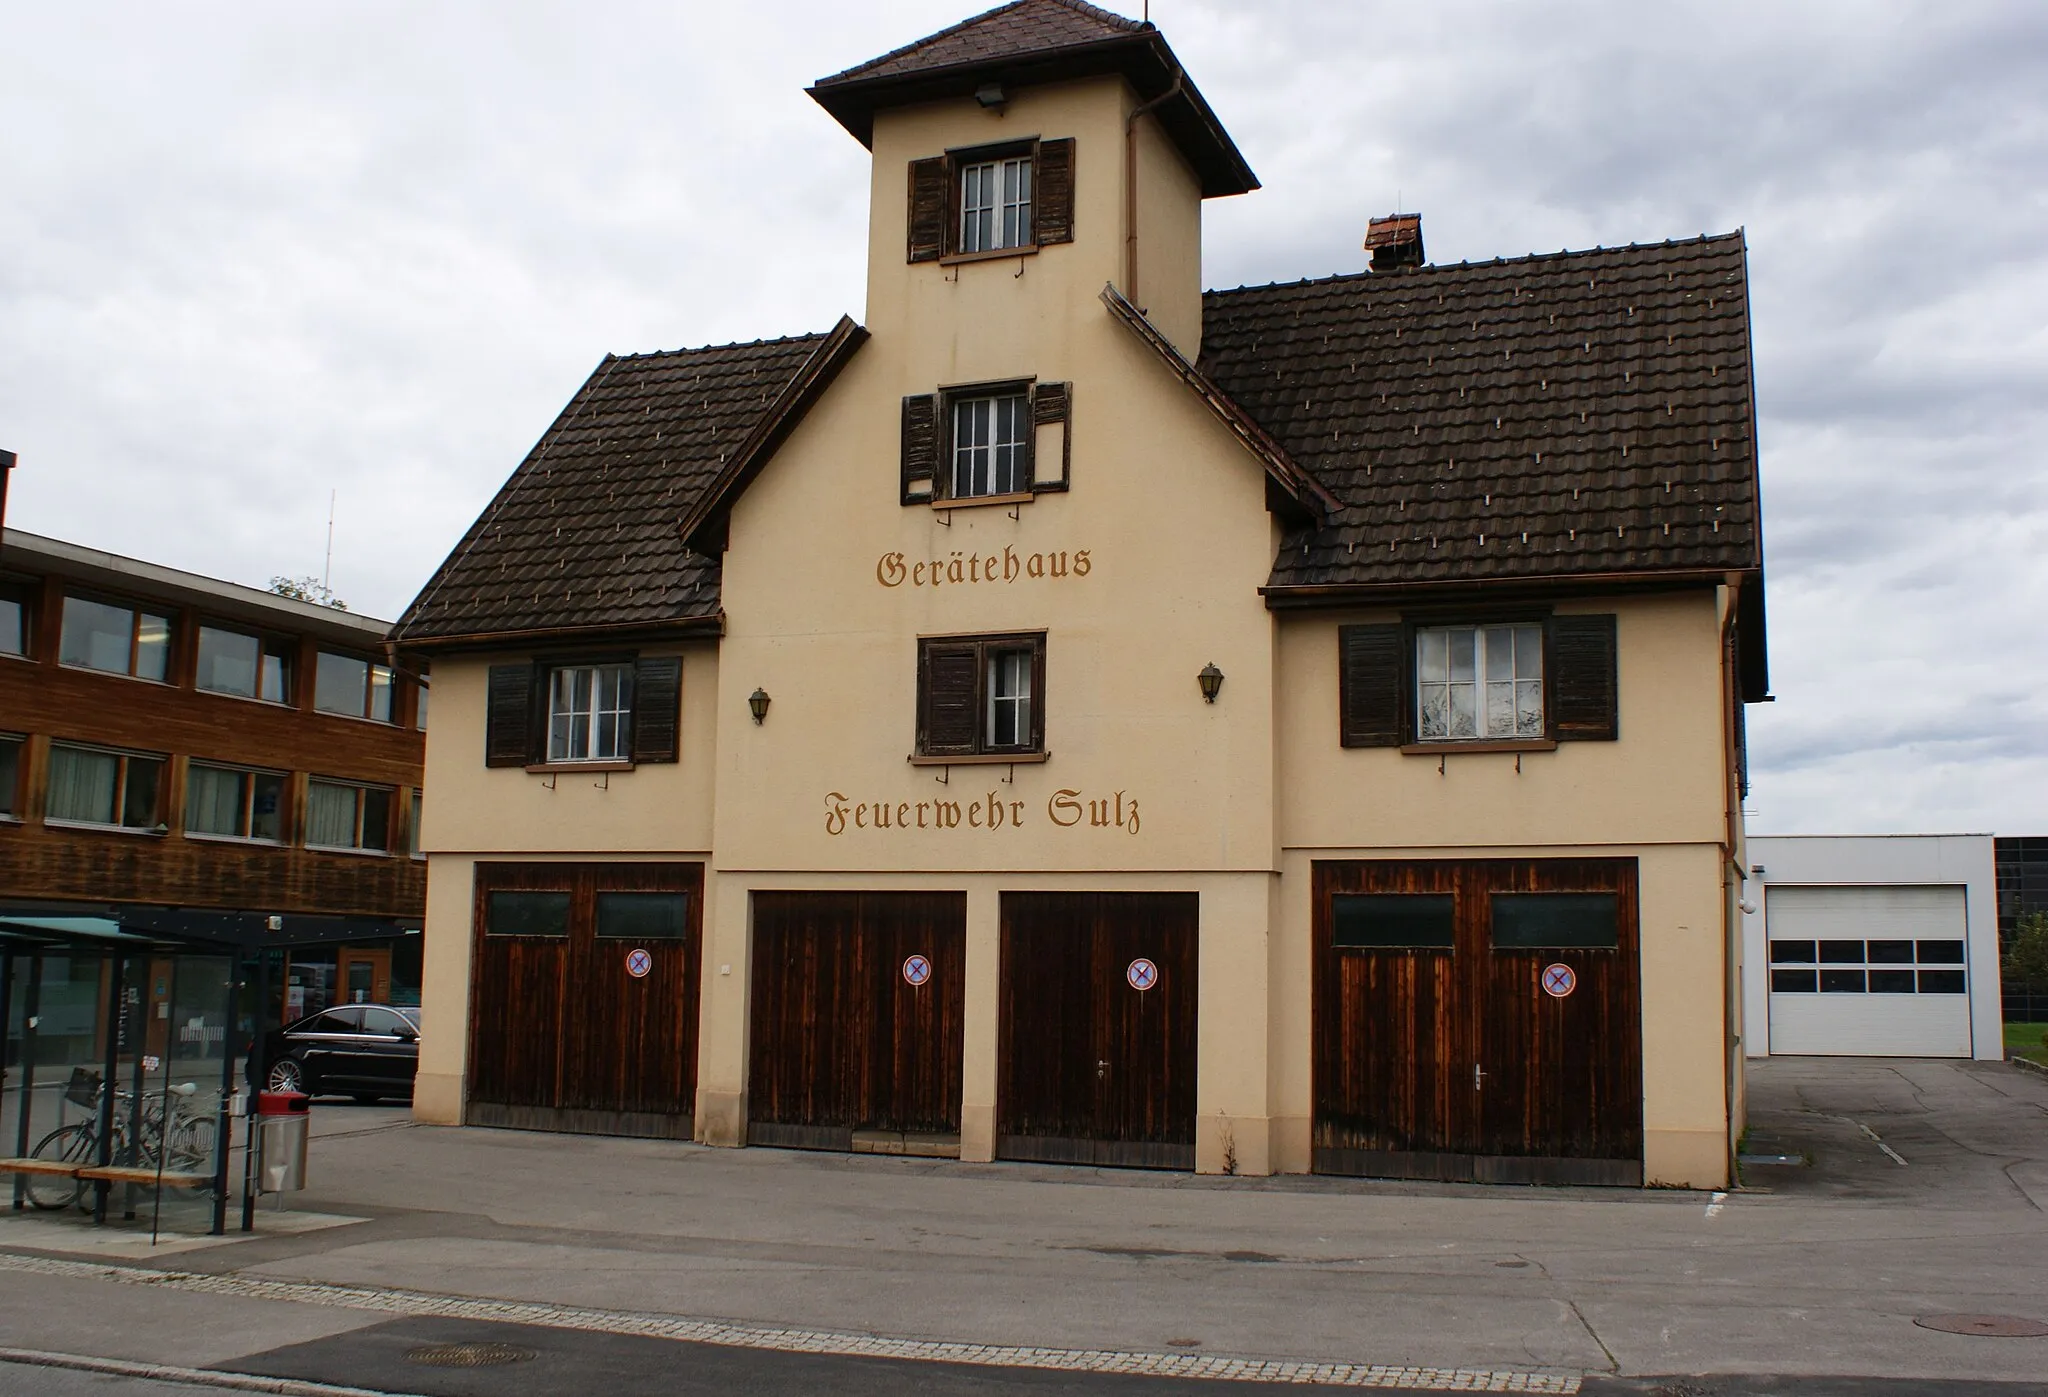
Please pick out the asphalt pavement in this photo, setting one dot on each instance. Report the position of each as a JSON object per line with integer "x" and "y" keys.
{"x": 644, "y": 1266}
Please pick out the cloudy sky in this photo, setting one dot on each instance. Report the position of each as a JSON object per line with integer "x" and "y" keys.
{"x": 254, "y": 254}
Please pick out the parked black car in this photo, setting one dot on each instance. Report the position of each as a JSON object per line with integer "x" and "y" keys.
{"x": 366, "y": 1051}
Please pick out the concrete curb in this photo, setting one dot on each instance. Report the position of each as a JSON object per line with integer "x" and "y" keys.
{"x": 190, "y": 1377}
{"x": 2028, "y": 1064}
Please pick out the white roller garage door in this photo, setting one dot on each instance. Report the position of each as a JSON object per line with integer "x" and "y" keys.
{"x": 1873, "y": 971}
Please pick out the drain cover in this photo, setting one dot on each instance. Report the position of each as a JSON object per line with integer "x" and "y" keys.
{"x": 483, "y": 1355}
{"x": 1989, "y": 1326}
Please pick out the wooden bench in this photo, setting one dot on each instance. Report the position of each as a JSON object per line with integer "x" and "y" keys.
{"x": 124, "y": 1174}
{"x": 39, "y": 1166}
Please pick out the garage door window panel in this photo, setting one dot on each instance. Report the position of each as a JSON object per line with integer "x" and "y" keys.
{"x": 1556, "y": 921}
{"x": 1393, "y": 922}
{"x": 643, "y": 916}
{"x": 527, "y": 914}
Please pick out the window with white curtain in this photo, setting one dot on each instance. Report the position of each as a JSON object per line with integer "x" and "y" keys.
{"x": 94, "y": 786}
{"x": 1478, "y": 682}
{"x": 341, "y": 815}
{"x": 231, "y": 803}
{"x": 590, "y": 711}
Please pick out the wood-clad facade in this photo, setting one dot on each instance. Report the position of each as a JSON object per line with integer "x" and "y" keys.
{"x": 205, "y": 772}
{"x": 1287, "y": 729}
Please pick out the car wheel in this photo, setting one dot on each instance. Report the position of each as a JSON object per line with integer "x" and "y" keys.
{"x": 287, "y": 1075}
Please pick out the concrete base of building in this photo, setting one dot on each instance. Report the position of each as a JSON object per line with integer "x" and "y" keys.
{"x": 1234, "y": 1145}
{"x": 1685, "y": 1158}
{"x": 437, "y": 1098}
{"x": 721, "y": 1118}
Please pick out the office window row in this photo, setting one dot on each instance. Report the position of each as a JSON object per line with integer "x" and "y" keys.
{"x": 138, "y": 640}
{"x": 107, "y": 788}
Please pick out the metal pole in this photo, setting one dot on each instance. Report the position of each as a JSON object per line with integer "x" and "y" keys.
{"x": 6, "y": 1011}
{"x": 163, "y": 1134}
{"x": 140, "y": 1018}
{"x": 118, "y": 964}
{"x": 31, "y": 1008}
{"x": 224, "y": 1126}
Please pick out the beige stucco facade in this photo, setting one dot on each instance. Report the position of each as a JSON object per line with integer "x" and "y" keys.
{"x": 1147, "y": 568}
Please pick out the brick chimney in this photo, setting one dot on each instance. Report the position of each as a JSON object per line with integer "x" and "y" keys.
{"x": 1395, "y": 241}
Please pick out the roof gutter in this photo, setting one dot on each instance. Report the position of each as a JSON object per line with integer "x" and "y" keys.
{"x": 709, "y": 627}
{"x": 1339, "y": 594}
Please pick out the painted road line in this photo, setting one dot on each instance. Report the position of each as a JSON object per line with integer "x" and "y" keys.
{"x": 192, "y": 1377}
{"x": 1714, "y": 1204}
{"x": 1214, "y": 1367}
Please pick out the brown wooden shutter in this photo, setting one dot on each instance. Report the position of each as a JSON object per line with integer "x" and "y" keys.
{"x": 657, "y": 708}
{"x": 1584, "y": 690}
{"x": 1372, "y": 684}
{"x": 509, "y": 728}
{"x": 949, "y": 699}
{"x": 1053, "y": 202}
{"x": 928, "y": 203}
{"x": 1049, "y": 409}
{"x": 920, "y": 447}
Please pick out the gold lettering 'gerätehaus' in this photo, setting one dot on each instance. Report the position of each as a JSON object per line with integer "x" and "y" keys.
{"x": 965, "y": 567}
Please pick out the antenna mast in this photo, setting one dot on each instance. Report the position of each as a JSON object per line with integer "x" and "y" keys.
{"x": 327, "y": 574}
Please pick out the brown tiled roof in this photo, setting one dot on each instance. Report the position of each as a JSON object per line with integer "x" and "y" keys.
{"x": 586, "y": 534}
{"x": 1566, "y": 415}
{"x": 1042, "y": 41}
{"x": 1025, "y": 27}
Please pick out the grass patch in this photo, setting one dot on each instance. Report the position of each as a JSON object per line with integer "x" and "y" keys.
{"x": 2030, "y": 1039}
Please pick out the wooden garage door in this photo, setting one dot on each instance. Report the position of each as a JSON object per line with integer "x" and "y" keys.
{"x": 842, "y": 1040}
{"x": 563, "y": 1034}
{"x": 1097, "y": 1059}
{"x": 1438, "y": 1051}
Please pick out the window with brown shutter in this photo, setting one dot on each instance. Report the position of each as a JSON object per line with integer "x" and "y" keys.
{"x": 1372, "y": 685}
{"x": 1430, "y": 685}
{"x": 980, "y": 696}
{"x": 657, "y": 708}
{"x": 612, "y": 711}
{"x": 991, "y": 201}
{"x": 985, "y": 443}
{"x": 1584, "y": 686}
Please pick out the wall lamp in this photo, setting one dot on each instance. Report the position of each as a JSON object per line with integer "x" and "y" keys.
{"x": 1211, "y": 680}
{"x": 757, "y": 704}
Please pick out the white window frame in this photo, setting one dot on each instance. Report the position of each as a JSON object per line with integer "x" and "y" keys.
{"x": 1006, "y": 700}
{"x": 995, "y": 204}
{"x": 1500, "y": 704}
{"x": 564, "y": 743}
{"x": 986, "y": 462}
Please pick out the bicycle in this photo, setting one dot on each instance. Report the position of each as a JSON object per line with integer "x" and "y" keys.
{"x": 183, "y": 1143}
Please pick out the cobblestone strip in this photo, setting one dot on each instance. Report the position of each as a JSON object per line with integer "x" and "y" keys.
{"x": 1214, "y": 1367}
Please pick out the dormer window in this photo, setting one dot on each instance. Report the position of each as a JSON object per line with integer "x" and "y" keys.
{"x": 995, "y": 205}
{"x": 991, "y": 201}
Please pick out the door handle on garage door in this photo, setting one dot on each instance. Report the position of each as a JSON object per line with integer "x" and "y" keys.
{"x": 1478, "y": 1076}
{"x": 1101, "y": 1068}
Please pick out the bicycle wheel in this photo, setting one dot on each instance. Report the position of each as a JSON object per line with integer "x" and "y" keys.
{"x": 192, "y": 1145}
{"x": 67, "y": 1144}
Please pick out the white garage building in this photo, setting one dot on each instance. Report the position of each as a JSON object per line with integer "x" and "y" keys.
{"x": 1871, "y": 945}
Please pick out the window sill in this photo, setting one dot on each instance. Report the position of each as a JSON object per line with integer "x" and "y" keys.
{"x": 994, "y": 254}
{"x": 200, "y": 837}
{"x": 976, "y": 501}
{"x": 983, "y": 759}
{"x": 280, "y": 704}
{"x": 1432, "y": 749}
{"x": 344, "y": 849}
{"x": 117, "y": 674}
{"x": 556, "y": 768}
{"x": 91, "y": 827}
{"x": 319, "y": 712}
{"x": 11, "y": 820}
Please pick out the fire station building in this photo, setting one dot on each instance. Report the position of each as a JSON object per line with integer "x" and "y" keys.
{"x": 1069, "y": 715}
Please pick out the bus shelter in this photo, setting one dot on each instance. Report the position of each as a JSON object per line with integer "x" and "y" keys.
{"x": 130, "y": 1035}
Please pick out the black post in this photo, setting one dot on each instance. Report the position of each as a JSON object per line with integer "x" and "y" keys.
{"x": 163, "y": 1141}
{"x": 118, "y": 964}
{"x": 6, "y": 1009}
{"x": 140, "y": 1084}
{"x": 227, "y": 1075}
{"x": 31, "y": 1006}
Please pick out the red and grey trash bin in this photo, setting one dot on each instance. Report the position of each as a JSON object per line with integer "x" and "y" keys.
{"x": 282, "y": 1124}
